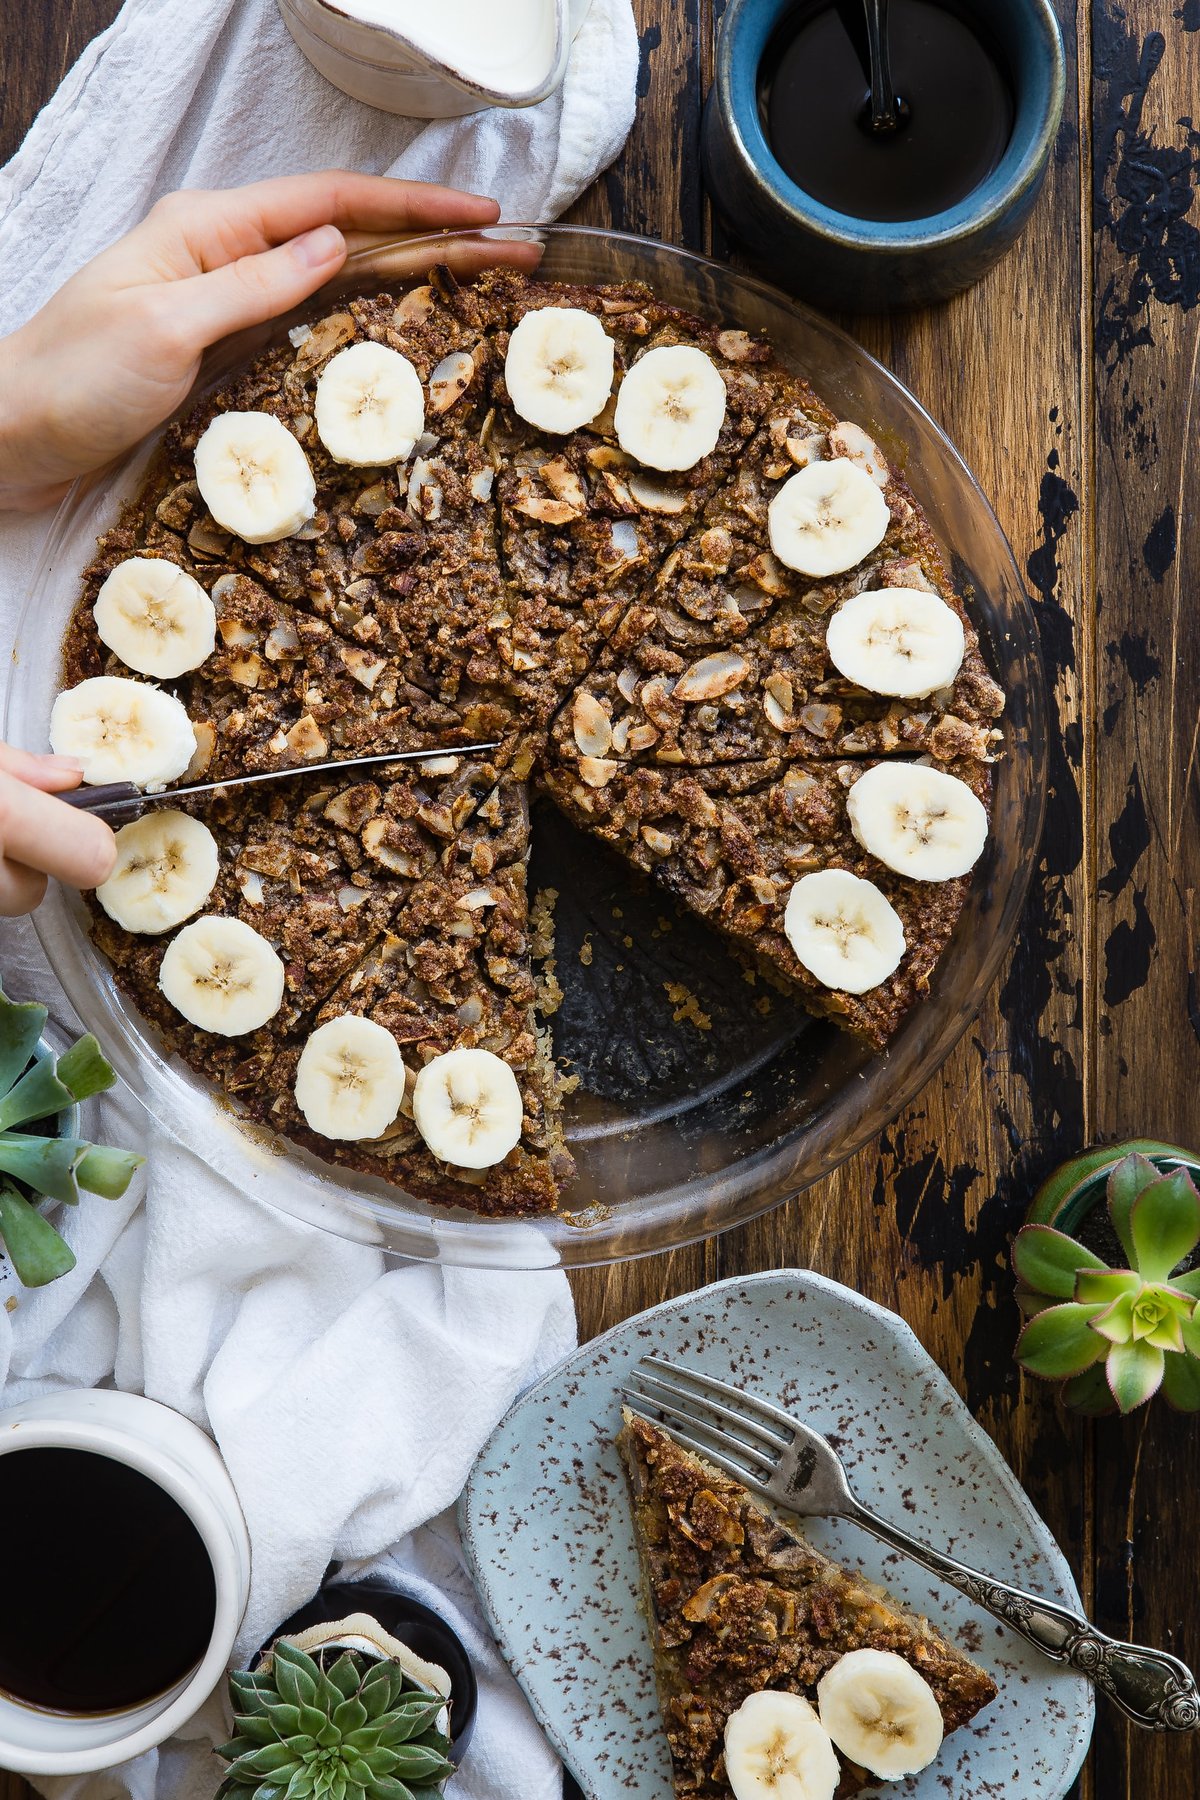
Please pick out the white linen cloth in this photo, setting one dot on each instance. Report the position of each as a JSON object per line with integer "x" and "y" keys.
{"x": 348, "y": 1399}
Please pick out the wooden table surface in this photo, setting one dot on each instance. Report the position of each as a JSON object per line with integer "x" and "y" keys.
{"x": 1068, "y": 380}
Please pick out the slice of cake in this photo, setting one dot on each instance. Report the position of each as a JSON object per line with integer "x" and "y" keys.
{"x": 734, "y": 841}
{"x": 314, "y": 869}
{"x": 739, "y": 1605}
{"x": 730, "y": 653}
{"x": 400, "y": 559}
{"x": 675, "y": 687}
{"x": 583, "y": 525}
{"x": 282, "y": 688}
{"x": 453, "y": 975}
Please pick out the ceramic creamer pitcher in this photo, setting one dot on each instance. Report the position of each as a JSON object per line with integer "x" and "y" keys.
{"x": 439, "y": 61}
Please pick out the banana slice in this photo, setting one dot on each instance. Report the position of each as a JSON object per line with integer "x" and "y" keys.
{"x": 370, "y": 406}
{"x": 843, "y": 930}
{"x": 123, "y": 730}
{"x": 920, "y": 821}
{"x": 467, "y": 1107}
{"x": 222, "y": 976}
{"x": 155, "y": 617}
{"x": 776, "y": 1748}
{"x": 559, "y": 367}
{"x": 254, "y": 477}
{"x": 880, "y": 1713}
{"x": 350, "y": 1079}
{"x": 670, "y": 407}
{"x": 897, "y": 640}
{"x": 165, "y": 870}
{"x": 827, "y": 517}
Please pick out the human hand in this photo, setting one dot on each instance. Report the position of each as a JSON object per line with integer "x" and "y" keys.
{"x": 118, "y": 347}
{"x": 40, "y": 836}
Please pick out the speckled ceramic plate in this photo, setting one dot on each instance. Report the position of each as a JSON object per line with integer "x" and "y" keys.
{"x": 547, "y": 1528}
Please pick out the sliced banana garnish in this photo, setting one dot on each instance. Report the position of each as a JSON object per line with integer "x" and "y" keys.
{"x": 920, "y": 821}
{"x": 881, "y": 1713}
{"x": 776, "y": 1748}
{"x": 222, "y": 975}
{"x": 670, "y": 407}
{"x": 165, "y": 870}
{"x": 350, "y": 1079}
{"x": 844, "y": 930}
{"x": 827, "y": 517}
{"x": 155, "y": 617}
{"x": 467, "y": 1106}
{"x": 559, "y": 367}
{"x": 123, "y": 730}
{"x": 897, "y": 641}
{"x": 254, "y": 477}
{"x": 370, "y": 406}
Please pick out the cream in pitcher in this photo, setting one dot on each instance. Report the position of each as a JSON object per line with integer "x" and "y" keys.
{"x": 499, "y": 43}
{"x": 439, "y": 61}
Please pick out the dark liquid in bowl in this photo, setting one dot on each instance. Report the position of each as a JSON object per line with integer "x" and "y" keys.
{"x": 107, "y": 1595}
{"x": 814, "y": 100}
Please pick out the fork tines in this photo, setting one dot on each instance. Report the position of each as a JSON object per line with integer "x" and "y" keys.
{"x": 742, "y": 1435}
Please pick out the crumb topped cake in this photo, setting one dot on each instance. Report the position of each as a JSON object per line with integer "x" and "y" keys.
{"x": 626, "y": 546}
{"x": 740, "y": 1607}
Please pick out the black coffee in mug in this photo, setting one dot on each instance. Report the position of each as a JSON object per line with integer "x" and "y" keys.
{"x": 107, "y": 1594}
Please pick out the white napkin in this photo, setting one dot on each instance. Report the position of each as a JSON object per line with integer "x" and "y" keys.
{"x": 347, "y": 1400}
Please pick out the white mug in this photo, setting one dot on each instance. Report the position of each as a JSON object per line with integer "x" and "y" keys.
{"x": 176, "y": 1454}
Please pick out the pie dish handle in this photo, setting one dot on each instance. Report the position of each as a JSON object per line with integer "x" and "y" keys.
{"x": 1150, "y": 1687}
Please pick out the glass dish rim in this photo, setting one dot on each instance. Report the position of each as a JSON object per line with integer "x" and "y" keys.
{"x": 749, "y": 1187}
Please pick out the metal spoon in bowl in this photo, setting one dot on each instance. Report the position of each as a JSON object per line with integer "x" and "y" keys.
{"x": 887, "y": 112}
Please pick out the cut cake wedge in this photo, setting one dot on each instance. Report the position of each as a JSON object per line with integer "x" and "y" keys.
{"x": 737, "y": 1603}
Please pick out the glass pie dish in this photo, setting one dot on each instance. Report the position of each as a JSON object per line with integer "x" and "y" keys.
{"x": 699, "y": 1103}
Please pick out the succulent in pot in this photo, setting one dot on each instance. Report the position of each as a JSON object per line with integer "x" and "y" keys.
{"x": 42, "y": 1157}
{"x": 339, "y": 1724}
{"x": 366, "y": 1612}
{"x": 1114, "y": 1335}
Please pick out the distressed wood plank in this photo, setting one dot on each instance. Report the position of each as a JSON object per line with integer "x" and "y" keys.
{"x": 654, "y": 187}
{"x": 1144, "y": 998}
{"x": 42, "y": 42}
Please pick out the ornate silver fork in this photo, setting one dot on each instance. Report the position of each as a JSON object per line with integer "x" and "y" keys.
{"x": 796, "y": 1468}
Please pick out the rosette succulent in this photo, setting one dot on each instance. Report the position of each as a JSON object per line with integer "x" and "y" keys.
{"x": 35, "y": 1088}
{"x": 337, "y": 1726}
{"x": 1115, "y": 1336}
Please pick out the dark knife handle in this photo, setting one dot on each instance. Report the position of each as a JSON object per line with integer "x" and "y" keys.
{"x": 111, "y": 799}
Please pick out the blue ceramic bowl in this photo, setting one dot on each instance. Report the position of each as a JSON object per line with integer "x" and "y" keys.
{"x": 866, "y": 265}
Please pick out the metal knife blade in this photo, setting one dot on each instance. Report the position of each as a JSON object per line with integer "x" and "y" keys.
{"x": 120, "y": 798}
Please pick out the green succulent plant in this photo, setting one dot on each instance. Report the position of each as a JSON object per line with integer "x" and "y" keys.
{"x": 340, "y": 1726}
{"x": 33, "y": 1090}
{"x": 1115, "y": 1336}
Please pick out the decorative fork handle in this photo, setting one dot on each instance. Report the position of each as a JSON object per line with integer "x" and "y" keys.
{"x": 1150, "y": 1687}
